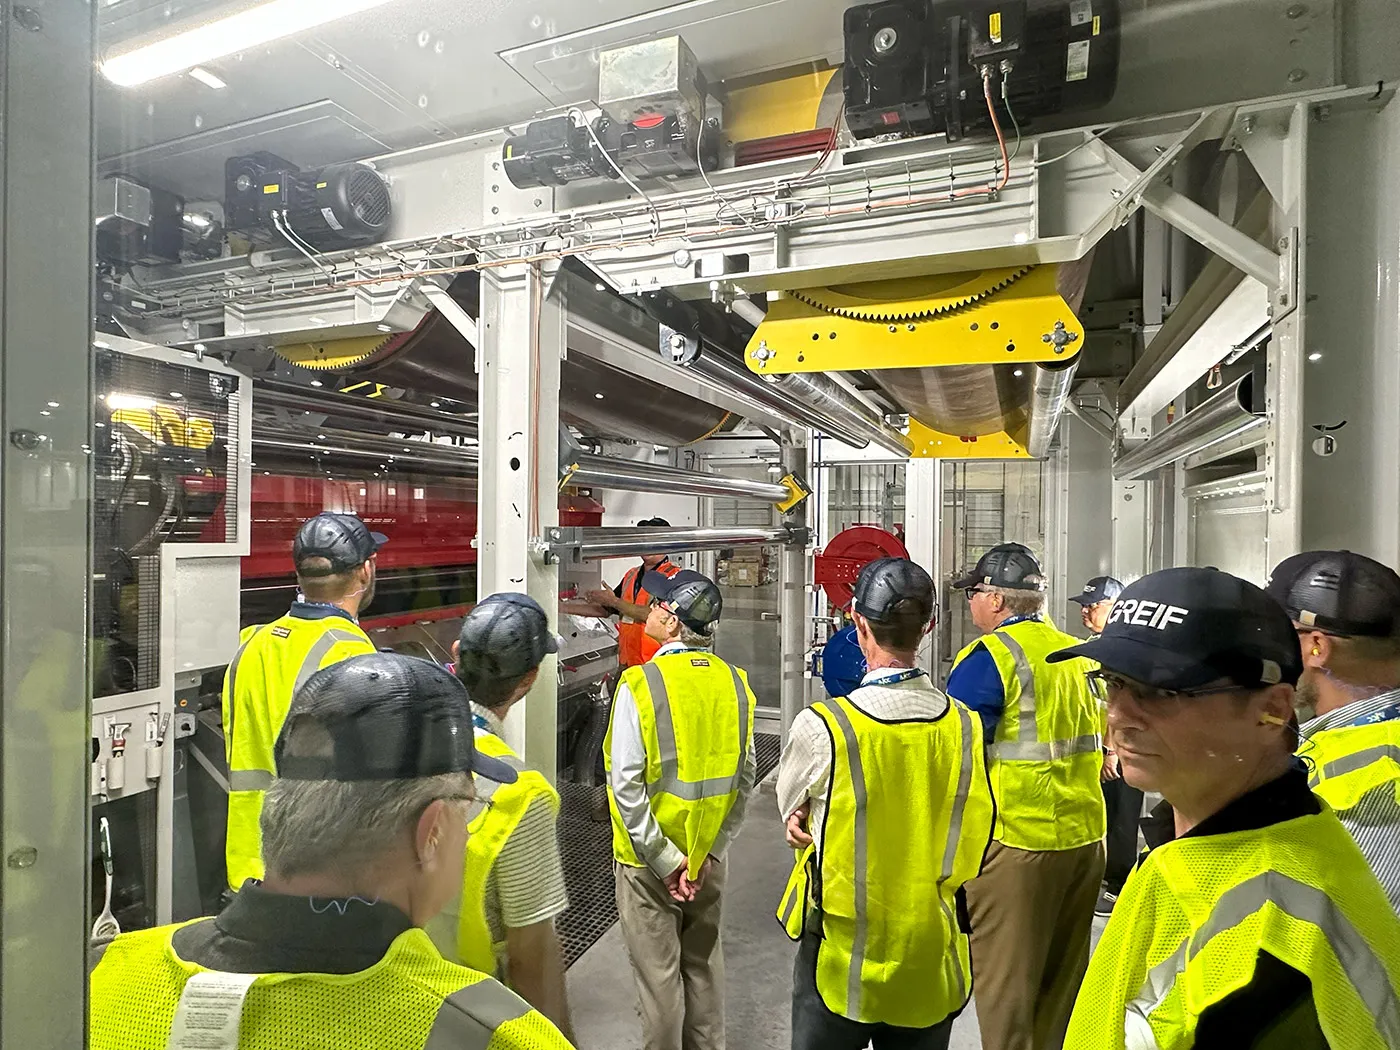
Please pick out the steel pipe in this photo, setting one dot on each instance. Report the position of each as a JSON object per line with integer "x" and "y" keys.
{"x": 1049, "y": 395}
{"x": 291, "y": 452}
{"x": 608, "y": 473}
{"x": 595, "y": 543}
{"x": 827, "y": 396}
{"x": 389, "y": 414}
{"x": 1229, "y": 413}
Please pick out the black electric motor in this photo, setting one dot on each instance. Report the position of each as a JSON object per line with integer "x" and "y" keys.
{"x": 272, "y": 202}
{"x": 915, "y": 67}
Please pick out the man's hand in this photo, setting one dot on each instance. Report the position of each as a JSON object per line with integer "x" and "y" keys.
{"x": 796, "y": 828}
{"x": 606, "y": 599}
{"x": 1110, "y": 769}
{"x": 676, "y": 884}
{"x": 692, "y": 889}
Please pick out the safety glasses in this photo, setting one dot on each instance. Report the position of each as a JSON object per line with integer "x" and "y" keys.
{"x": 1106, "y": 684}
{"x": 972, "y": 592}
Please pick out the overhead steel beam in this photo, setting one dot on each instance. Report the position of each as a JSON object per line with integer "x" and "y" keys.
{"x": 1236, "y": 248}
{"x": 388, "y": 414}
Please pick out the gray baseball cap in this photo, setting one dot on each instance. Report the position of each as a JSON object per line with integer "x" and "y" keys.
{"x": 505, "y": 635}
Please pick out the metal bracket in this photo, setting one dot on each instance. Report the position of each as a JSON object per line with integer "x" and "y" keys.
{"x": 1285, "y": 295}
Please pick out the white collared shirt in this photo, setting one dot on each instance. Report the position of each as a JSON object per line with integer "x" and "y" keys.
{"x": 805, "y": 769}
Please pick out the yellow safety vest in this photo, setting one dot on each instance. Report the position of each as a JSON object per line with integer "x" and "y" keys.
{"x": 487, "y": 835}
{"x": 1352, "y": 761}
{"x": 412, "y": 999}
{"x": 909, "y": 817}
{"x": 1047, "y": 756}
{"x": 1188, "y": 928}
{"x": 272, "y": 663}
{"x": 696, "y": 714}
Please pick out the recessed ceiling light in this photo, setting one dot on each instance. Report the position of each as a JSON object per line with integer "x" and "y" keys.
{"x": 241, "y": 31}
{"x": 598, "y": 396}
{"x": 176, "y": 394}
{"x": 315, "y": 382}
{"x": 1315, "y": 356}
{"x": 207, "y": 78}
{"x": 436, "y": 404}
{"x": 45, "y": 412}
{"x": 53, "y": 404}
{"x": 1018, "y": 373}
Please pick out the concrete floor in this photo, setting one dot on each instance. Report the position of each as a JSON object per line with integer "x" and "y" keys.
{"x": 758, "y": 956}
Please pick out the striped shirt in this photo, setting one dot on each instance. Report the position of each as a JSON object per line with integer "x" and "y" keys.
{"x": 526, "y": 884}
{"x": 1374, "y": 821}
{"x": 805, "y": 769}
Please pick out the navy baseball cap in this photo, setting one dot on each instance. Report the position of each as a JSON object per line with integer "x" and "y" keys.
{"x": 691, "y": 595}
{"x": 342, "y": 539}
{"x": 1099, "y": 589}
{"x": 1013, "y": 566}
{"x": 1339, "y": 592}
{"x": 1186, "y": 628}
{"x": 505, "y": 635}
{"x": 886, "y": 582}
{"x": 382, "y": 716}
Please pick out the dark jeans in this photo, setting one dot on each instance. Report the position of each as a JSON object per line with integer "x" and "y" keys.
{"x": 1124, "y": 804}
{"x": 814, "y": 1027}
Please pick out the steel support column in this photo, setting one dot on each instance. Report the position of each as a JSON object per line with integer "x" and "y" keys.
{"x": 46, "y": 166}
{"x": 923, "y": 508}
{"x": 795, "y": 575}
{"x": 521, "y": 339}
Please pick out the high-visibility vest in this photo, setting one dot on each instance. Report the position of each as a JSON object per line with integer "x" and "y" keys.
{"x": 634, "y": 647}
{"x": 1047, "y": 756}
{"x": 909, "y": 817}
{"x": 696, "y": 714}
{"x": 486, "y": 837}
{"x": 1350, "y": 762}
{"x": 1189, "y": 925}
{"x": 272, "y": 663}
{"x": 413, "y": 999}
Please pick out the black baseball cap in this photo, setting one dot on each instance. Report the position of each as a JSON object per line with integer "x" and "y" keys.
{"x": 1099, "y": 589}
{"x": 382, "y": 716}
{"x": 1185, "y": 628}
{"x": 1339, "y": 592}
{"x": 505, "y": 635}
{"x": 886, "y": 582}
{"x": 1013, "y": 566}
{"x": 653, "y": 523}
{"x": 342, "y": 539}
{"x": 691, "y": 595}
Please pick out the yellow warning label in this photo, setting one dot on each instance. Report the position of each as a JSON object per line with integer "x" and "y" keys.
{"x": 320, "y": 185}
{"x": 272, "y": 189}
{"x": 1096, "y": 25}
{"x": 994, "y": 30}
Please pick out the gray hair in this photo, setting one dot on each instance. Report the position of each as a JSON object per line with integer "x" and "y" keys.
{"x": 316, "y": 826}
{"x": 697, "y": 639}
{"x": 1021, "y": 603}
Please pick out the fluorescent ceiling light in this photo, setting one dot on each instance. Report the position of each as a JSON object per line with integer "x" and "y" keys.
{"x": 207, "y": 78}
{"x": 226, "y": 36}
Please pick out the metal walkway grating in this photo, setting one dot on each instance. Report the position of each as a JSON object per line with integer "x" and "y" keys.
{"x": 586, "y": 846}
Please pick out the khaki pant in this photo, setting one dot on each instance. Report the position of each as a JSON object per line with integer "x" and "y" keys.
{"x": 1031, "y": 915}
{"x": 676, "y": 959}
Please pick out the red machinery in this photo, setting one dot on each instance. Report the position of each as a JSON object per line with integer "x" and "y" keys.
{"x": 840, "y": 561}
{"x": 427, "y": 570}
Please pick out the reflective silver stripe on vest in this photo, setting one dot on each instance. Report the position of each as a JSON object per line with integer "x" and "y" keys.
{"x": 1023, "y": 751}
{"x": 468, "y": 1018}
{"x": 317, "y": 653}
{"x": 1300, "y": 901}
{"x": 798, "y": 894}
{"x": 233, "y": 681}
{"x": 1358, "y": 760}
{"x": 1028, "y": 747}
{"x": 670, "y": 782}
{"x": 861, "y": 859}
{"x": 950, "y": 851}
{"x": 249, "y": 780}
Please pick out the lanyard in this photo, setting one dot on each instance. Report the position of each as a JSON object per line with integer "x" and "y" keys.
{"x": 895, "y": 679}
{"x": 481, "y": 723}
{"x": 1385, "y": 714}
